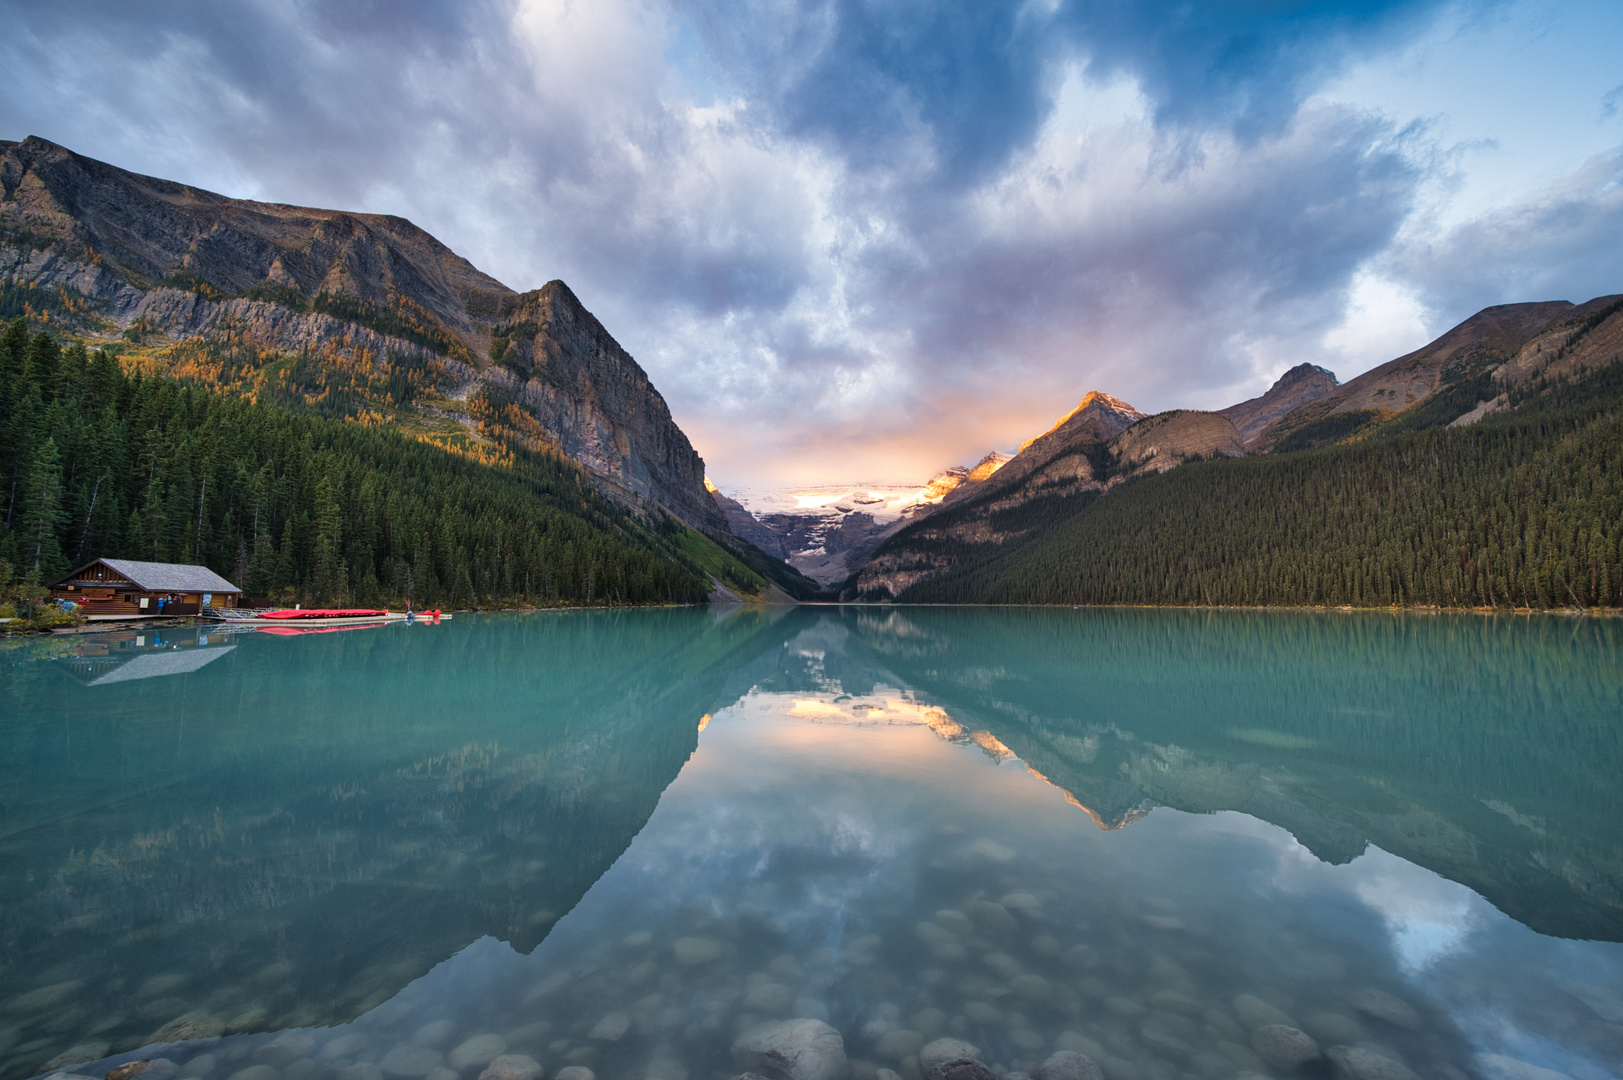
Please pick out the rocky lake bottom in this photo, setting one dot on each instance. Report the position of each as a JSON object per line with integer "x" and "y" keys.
{"x": 819, "y": 845}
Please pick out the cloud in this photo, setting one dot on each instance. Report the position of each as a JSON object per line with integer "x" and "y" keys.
{"x": 1561, "y": 243}
{"x": 847, "y": 239}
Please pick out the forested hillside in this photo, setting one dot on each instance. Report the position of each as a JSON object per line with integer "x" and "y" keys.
{"x": 1521, "y": 510}
{"x": 96, "y": 462}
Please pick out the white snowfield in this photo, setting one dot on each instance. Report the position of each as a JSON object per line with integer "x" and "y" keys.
{"x": 886, "y": 502}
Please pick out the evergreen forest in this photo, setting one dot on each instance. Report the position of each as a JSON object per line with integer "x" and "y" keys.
{"x": 1521, "y": 510}
{"x": 290, "y": 505}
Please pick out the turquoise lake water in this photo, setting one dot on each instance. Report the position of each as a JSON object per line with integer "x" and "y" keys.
{"x": 619, "y": 841}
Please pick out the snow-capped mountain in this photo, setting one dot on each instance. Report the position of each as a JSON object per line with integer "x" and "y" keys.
{"x": 826, "y": 530}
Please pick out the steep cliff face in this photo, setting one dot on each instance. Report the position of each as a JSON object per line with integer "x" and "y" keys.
{"x": 599, "y": 404}
{"x": 112, "y": 255}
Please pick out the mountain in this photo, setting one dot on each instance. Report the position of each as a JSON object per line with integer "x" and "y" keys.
{"x": 1097, "y": 445}
{"x": 1450, "y": 371}
{"x": 1301, "y": 385}
{"x": 390, "y": 323}
{"x": 1492, "y": 480}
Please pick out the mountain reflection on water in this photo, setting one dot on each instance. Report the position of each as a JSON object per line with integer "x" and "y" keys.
{"x": 285, "y": 834}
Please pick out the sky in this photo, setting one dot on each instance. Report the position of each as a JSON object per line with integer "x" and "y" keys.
{"x": 862, "y": 241}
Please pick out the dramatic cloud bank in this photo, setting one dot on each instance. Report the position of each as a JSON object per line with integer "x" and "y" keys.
{"x": 858, "y": 240}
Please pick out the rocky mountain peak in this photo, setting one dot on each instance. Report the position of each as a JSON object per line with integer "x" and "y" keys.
{"x": 1098, "y": 416}
{"x": 1301, "y": 385}
{"x": 945, "y": 481}
{"x": 988, "y": 465}
{"x": 1302, "y": 372}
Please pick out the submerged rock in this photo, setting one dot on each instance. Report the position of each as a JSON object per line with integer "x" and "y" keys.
{"x": 434, "y": 1033}
{"x": 287, "y": 1047}
{"x": 612, "y": 1028}
{"x": 991, "y": 917}
{"x": 929, "y": 1021}
{"x": 960, "y": 1069}
{"x": 256, "y": 1072}
{"x": 945, "y": 1050}
{"x": 1033, "y": 988}
{"x": 663, "y": 1066}
{"x": 692, "y": 951}
{"x": 1383, "y": 1006}
{"x": 1075, "y": 1040}
{"x": 1082, "y": 956}
{"x": 771, "y": 998}
{"x": 1361, "y": 1063}
{"x": 1502, "y": 1067}
{"x": 575, "y": 1072}
{"x": 410, "y": 1061}
{"x": 1069, "y": 1065}
{"x": 898, "y": 1043}
{"x": 344, "y": 1046}
{"x": 1333, "y": 1028}
{"x": 1283, "y": 1047}
{"x": 479, "y": 1050}
{"x": 803, "y": 1049}
{"x": 512, "y": 1067}
{"x": 1173, "y": 1002}
{"x": 149, "y": 1069}
{"x": 982, "y": 1012}
{"x": 786, "y": 967}
{"x": 1254, "y": 1012}
{"x": 188, "y": 1027}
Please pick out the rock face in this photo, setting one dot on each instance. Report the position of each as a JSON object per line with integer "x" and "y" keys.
{"x": 176, "y": 263}
{"x": 1301, "y": 385}
{"x": 144, "y": 229}
{"x": 1168, "y": 439}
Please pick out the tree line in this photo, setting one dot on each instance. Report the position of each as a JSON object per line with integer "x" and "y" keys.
{"x": 98, "y": 462}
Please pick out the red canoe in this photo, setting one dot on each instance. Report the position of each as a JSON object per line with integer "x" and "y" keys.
{"x": 322, "y": 613}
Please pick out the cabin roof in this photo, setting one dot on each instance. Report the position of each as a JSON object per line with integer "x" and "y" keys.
{"x": 162, "y": 577}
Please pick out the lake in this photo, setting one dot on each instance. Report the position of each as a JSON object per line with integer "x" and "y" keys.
{"x": 666, "y": 844}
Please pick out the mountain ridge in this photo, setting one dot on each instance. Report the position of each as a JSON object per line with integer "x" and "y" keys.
{"x": 1033, "y": 535}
